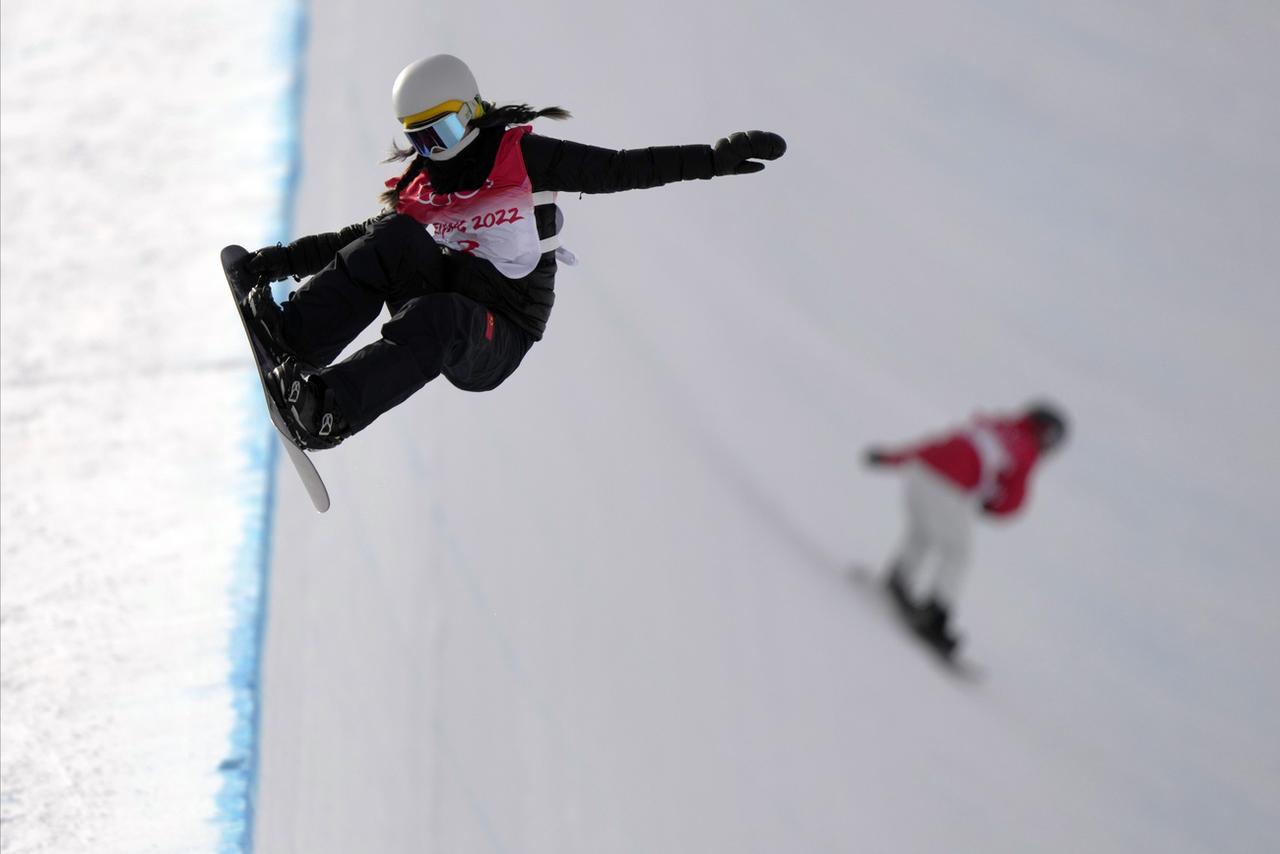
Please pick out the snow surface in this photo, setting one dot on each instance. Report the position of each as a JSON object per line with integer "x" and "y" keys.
{"x": 603, "y": 608}
{"x": 135, "y": 143}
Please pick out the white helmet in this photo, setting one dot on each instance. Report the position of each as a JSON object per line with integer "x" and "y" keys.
{"x": 432, "y": 87}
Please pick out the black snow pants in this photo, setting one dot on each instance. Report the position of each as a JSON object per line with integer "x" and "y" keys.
{"x": 433, "y": 329}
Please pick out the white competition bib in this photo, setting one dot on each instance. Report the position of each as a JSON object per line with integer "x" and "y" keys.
{"x": 494, "y": 222}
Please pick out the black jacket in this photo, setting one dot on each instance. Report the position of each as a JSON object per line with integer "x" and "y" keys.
{"x": 552, "y": 164}
{"x": 557, "y": 164}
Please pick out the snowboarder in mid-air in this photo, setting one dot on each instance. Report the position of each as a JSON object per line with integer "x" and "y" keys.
{"x": 464, "y": 254}
{"x": 982, "y": 468}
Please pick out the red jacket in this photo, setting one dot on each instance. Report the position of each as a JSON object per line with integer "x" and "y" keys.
{"x": 993, "y": 457}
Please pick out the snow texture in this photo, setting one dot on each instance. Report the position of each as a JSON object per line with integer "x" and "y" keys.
{"x": 604, "y": 608}
{"x": 137, "y": 139}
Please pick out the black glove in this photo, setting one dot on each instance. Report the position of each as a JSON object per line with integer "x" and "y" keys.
{"x": 269, "y": 264}
{"x": 305, "y": 256}
{"x": 731, "y": 155}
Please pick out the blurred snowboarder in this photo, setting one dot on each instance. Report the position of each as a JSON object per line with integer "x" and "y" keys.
{"x": 982, "y": 468}
{"x": 464, "y": 255}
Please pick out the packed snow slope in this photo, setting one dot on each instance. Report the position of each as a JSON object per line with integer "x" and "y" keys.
{"x": 604, "y": 608}
{"x": 133, "y": 447}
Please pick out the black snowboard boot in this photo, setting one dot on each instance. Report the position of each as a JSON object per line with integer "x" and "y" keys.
{"x": 897, "y": 587}
{"x": 930, "y": 623}
{"x": 308, "y": 406}
{"x": 267, "y": 320}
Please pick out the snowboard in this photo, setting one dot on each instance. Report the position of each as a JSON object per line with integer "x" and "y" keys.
{"x": 902, "y": 614}
{"x": 265, "y": 362}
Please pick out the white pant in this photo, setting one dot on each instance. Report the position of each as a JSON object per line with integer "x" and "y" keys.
{"x": 939, "y": 531}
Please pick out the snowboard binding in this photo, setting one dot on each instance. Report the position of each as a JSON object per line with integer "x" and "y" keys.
{"x": 308, "y": 406}
{"x": 929, "y": 621}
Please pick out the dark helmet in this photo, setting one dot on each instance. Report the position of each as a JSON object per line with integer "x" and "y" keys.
{"x": 1049, "y": 423}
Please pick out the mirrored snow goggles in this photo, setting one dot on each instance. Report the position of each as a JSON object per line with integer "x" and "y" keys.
{"x": 441, "y": 132}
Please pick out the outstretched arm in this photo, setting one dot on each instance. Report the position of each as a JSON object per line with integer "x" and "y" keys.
{"x": 556, "y": 164}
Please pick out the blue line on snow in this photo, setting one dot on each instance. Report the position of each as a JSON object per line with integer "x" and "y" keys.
{"x": 248, "y": 590}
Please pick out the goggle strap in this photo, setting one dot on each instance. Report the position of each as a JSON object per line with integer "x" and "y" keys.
{"x": 439, "y": 111}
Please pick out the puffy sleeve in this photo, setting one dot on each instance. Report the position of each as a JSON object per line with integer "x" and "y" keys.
{"x": 556, "y": 164}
